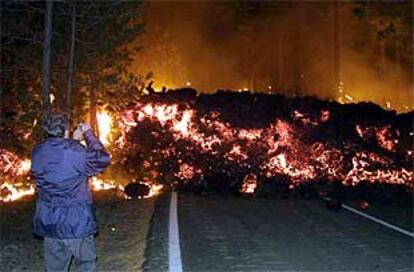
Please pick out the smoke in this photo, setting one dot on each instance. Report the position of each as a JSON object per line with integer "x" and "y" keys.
{"x": 277, "y": 46}
{"x": 367, "y": 84}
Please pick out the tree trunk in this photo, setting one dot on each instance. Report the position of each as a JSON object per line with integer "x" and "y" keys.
{"x": 46, "y": 57}
{"x": 92, "y": 109}
{"x": 336, "y": 50}
{"x": 70, "y": 68}
{"x": 2, "y": 75}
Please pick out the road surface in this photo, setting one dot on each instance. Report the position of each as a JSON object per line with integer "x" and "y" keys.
{"x": 242, "y": 234}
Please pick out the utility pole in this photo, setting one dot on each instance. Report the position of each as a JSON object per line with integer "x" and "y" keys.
{"x": 70, "y": 68}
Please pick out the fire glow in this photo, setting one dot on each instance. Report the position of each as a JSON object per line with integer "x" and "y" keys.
{"x": 194, "y": 145}
{"x": 13, "y": 165}
{"x": 14, "y": 171}
{"x": 185, "y": 142}
{"x": 9, "y": 192}
{"x": 104, "y": 127}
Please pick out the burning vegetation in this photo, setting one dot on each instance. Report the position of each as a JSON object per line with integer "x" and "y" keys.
{"x": 15, "y": 182}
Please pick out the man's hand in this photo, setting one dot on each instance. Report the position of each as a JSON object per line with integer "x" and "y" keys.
{"x": 77, "y": 134}
{"x": 82, "y": 128}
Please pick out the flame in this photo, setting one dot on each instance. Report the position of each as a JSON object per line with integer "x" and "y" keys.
{"x": 249, "y": 184}
{"x": 155, "y": 189}
{"x": 8, "y": 192}
{"x": 24, "y": 167}
{"x": 51, "y": 98}
{"x": 104, "y": 127}
{"x": 12, "y": 169}
{"x": 98, "y": 184}
{"x": 12, "y": 165}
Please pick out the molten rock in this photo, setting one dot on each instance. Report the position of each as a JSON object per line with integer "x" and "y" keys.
{"x": 289, "y": 144}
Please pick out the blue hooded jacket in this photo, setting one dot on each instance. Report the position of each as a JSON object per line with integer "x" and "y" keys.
{"x": 61, "y": 168}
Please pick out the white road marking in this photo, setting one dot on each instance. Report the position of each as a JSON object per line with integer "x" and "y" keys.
{"x": 174, "y": 252}
{"x": 379, "y": 221}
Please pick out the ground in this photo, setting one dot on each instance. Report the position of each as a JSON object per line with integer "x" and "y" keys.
{"x": 120, "y": 244}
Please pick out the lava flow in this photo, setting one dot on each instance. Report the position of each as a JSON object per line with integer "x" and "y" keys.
{"x": 243, "y": 141}
{"x": 230, "y": 138}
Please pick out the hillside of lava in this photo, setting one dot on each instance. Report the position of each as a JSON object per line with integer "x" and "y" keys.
{"x": 261, "y": 143}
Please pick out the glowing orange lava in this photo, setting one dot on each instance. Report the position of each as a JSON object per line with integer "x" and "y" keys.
{"x": 286, "y": 152}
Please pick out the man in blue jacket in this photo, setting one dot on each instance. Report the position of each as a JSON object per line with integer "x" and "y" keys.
{"x": 65, "y": 214}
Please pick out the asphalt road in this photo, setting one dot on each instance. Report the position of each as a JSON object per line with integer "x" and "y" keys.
{"x": 237, "y": 234}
